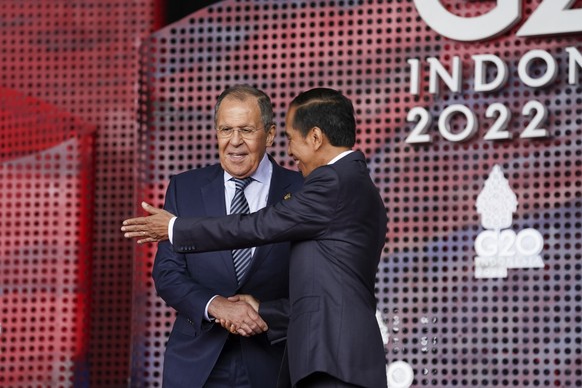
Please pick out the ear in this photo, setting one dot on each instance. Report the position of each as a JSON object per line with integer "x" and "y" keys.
{"x": 271, "y": 135}
{"x": 316, "y": 137}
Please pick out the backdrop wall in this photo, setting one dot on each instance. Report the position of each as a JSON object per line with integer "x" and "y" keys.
{"x": 68, "y": 102}
{"x": 97, "y": 113}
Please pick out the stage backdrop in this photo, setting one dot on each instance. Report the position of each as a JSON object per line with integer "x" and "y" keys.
{"x": 469, "y": 114}
{"x": 479, "y": 283}
{"x": 68, "y": 107}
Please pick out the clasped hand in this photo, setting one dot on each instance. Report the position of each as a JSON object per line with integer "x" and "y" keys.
{"x": 238, "y": 314}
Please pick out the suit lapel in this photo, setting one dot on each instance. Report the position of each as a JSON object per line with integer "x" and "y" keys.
{"x": 278, "y": 187}
{"x": 213, "y": 195}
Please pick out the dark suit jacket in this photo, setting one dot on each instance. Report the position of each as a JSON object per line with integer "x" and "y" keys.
{"x": 186, "y": 282}
{"x": 337, "y": 225}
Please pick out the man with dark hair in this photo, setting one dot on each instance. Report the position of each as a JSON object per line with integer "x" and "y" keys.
{"x": 199, "y": 351}
{"x": 336, "y": 225}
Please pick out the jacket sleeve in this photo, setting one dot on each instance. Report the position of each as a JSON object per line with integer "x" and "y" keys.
{"x": 276, "y": 314}
{"x": 172, "y": 280}
{"x": 306, "y": 215}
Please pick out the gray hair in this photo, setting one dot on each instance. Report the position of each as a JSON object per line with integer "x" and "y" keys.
{"x": 242, "y": 92}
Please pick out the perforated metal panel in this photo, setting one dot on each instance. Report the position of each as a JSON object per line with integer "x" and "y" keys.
{"x": 453, "y": 329}
{"x": 68, "y": 91}
{"x": 46, "y": 181}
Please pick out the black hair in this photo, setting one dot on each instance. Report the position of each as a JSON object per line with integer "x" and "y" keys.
{"x": 329, "y": 110}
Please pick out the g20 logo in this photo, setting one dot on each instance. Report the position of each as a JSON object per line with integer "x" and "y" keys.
{"x": 550, "y": 17}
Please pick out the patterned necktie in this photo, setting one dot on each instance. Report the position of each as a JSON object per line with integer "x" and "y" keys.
{"x": 241, "y": 257}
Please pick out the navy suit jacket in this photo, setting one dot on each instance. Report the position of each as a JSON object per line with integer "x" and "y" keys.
{"x": 337, "y": 225}
{"x": 187, "y": 282}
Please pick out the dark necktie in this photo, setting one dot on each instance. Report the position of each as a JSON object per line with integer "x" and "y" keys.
{"x": 241, "y": 257}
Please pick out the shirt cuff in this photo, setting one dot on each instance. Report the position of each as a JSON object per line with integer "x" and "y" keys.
{"x": 171, "y": 229}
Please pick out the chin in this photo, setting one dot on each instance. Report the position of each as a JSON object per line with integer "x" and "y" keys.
{"x": 238, "y": 170}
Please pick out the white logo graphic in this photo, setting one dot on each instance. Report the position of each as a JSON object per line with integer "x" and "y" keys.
{"x": 549, "y": 18}
{"x": 400, "y": 375}
{"x": 499, "y": 248}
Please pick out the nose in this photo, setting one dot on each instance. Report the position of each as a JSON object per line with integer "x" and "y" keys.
{"x": 236, "y": 138}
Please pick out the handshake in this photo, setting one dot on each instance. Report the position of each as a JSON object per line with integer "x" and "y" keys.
{"x": 238, "y": 314}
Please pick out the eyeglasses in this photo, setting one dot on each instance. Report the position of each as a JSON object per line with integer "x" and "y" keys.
{"x": 245, "y": 133}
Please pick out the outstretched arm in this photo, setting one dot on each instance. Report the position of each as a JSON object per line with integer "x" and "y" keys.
{"x": 306, "y": 215}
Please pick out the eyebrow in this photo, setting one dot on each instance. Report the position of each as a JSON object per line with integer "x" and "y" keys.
{"x": 240, "y": 126}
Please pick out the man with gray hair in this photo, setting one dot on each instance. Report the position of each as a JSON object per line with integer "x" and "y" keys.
{"x": 199, "y": 351}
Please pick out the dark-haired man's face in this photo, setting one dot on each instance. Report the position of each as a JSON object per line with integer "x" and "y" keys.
{"x": 299, "y": 147}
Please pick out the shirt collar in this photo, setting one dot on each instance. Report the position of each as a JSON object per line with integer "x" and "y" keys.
{"x": 261, "y": 174}
{"x": 340, "y": 156}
